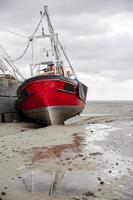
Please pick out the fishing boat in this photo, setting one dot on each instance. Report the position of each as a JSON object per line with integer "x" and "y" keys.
{"x": 53, "y": 94}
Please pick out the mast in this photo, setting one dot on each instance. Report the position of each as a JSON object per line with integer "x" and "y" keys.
{"x": 56, "y": 47}
{"x": 54, "y": 42}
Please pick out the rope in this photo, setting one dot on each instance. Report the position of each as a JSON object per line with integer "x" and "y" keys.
{"x": 27, "y": 46}
{"x": 24, "y": 52}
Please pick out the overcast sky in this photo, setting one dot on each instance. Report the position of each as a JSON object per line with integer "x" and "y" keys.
{"x": 98, "y": 36}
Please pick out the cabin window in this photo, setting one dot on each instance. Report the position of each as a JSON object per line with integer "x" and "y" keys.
{"x": 69, "y": 87}
{"x": 23, "y": 94}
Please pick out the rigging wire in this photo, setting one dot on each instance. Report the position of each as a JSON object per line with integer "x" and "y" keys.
{"x": 15, "y": 70}
{"x": 6, "y": 30}
{"x": 67, "y": 58}
{"x": 4, "y": 58}
{"x": 38, "y": 25}
{"x": 29, "y": 40}
{"x": 42, "y": 23}
{"x": 27, "y": 46}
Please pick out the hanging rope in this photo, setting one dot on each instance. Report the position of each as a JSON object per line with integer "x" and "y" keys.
{"x": 24, "y": 52}
{"x": 27, "y": 46}
{"x": 29, "y": 40}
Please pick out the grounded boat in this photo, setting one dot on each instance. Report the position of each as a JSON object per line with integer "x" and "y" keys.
{"x": 54, "y": 94}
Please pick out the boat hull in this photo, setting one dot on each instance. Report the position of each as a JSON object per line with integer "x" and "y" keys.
{"x": 50, "y": 99}
{"x": 53, "y": 115}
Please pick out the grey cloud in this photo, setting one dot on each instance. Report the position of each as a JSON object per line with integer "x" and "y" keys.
{"x": 68, "y": 7}
{"x": 89, "y": 41}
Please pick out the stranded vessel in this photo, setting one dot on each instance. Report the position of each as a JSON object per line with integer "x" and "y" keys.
{"x": 53, "y": 94}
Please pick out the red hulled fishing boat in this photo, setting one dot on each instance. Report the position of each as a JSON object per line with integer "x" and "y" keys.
{"x": 54, "y": 93}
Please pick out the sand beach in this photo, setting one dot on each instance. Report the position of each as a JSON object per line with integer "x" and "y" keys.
{"x": 90, "y": 157}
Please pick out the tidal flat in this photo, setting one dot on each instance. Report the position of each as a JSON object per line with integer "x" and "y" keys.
{"x": 90, "y": 157}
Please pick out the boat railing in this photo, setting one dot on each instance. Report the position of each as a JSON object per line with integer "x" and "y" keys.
{"x": 50, "y": 68}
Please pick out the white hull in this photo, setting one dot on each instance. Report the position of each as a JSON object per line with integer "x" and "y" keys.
{"x": 54, "y": 115}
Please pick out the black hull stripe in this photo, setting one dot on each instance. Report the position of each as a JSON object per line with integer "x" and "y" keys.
{"x": 65, "y": 91}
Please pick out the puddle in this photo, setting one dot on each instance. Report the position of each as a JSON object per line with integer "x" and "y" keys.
{"x": 114, "y": 165}
{"x": 58, "y": 183}
{"x": 86, "y": 178}
{"x": 94, "y": 115}
{"x": 69, "y": 184}
{"x": 94, "y": 133}
{"x": 78, "y": 182}
{"x": 97, "y": 132}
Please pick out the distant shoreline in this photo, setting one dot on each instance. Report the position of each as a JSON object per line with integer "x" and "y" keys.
{"x": 109, "y": 101}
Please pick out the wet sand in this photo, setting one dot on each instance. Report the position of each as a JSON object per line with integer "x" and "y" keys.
{"x": 91, "y": 157}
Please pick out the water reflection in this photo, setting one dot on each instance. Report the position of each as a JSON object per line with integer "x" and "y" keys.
{"x": 39, "y": 180}
{"x": 91, "y": 166}
{"x": 59, "y": 183}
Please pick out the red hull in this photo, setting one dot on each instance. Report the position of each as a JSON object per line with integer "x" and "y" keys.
{"x": 38, "y": 96}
